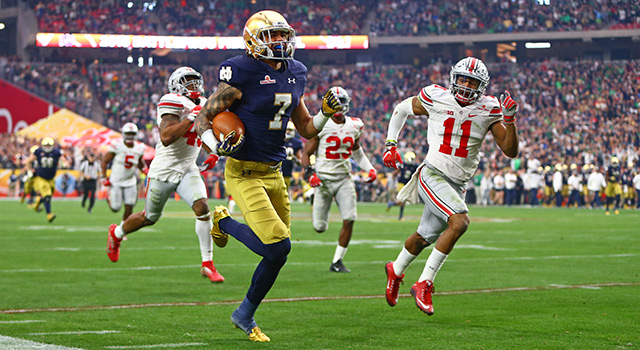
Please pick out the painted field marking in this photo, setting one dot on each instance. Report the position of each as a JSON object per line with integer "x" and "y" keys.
{"x": 293, "y": 263}
{"x": 22, "y": 321}
{"x": 162, "y": 346}
{"x": 76, "y": 332}
{"x": 10, "y": 343}
{"x": 341, "y": 297}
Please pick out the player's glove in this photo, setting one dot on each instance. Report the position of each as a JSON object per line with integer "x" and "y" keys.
{"x": 194, "y": 113}
{"x": 391, "y": 157}
{"x": 311, "y": 177}
{"x": 509, "y": 108}
{"x": 371, "y": 177}
{"x": 225, "y": 147}
{"x": 106, "y": 182}
{"x": 331, "y": 104}
{"x": 209, "y": 163}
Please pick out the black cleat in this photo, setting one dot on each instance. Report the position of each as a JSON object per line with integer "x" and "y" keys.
{"x": 338, "y": 266}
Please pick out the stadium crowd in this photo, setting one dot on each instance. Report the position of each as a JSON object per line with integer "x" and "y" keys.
{"x": 581, "y": 112}
{"x": 382, "y": 17}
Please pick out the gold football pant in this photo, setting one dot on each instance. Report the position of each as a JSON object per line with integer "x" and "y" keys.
{"x": 261, "y": 194}
{"x": 613, "y": 189}
{"x": 44, "y": 187}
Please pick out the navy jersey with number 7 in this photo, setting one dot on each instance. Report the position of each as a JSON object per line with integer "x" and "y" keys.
{"x": 268, "y": 99}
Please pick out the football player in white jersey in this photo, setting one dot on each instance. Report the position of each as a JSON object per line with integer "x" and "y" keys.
{"x": 126, "y": 155}
{"x": 174, "y": 168}
{"x": 459, "y": 119}
{"x": 333, "y": 147}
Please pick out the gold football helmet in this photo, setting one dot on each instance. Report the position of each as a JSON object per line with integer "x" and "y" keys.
{"x": 47, "y": 144}
{"x": 409, "y": 157}
{"x": 259, "y": 32}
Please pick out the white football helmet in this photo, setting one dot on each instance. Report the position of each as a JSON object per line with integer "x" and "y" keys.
{"x": 179, "y": 84}
{"x": 129, "y": 131}
{"x": 47, "y": 144}
{"x": 291, "y": 131}
{"x": 473, "y": 68}
{"x": 343, "y": 97}
{"x": 258, "y": 36}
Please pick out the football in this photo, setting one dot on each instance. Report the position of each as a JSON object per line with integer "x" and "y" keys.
{"x": 226, "y": 122}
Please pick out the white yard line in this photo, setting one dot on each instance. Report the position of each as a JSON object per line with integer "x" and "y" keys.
{"x": 76, "y": 332}
{"x": 22, "y": 321}
{"x": 293, "y": 263}
{"x": 9, "y": 343}
{"x": 340, "y": 297}
{"x": 162, "y": 346}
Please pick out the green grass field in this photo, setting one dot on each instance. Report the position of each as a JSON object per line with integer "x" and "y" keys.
{"x": 519, "y": 278}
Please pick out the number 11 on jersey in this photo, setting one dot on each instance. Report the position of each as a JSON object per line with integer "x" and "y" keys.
{"x": 446, "y": 148}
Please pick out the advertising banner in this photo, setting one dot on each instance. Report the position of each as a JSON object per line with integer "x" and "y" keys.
{"x": 19, "y": 108}
{"x": 67, "y": 127}
{"x": 128, "y": 41}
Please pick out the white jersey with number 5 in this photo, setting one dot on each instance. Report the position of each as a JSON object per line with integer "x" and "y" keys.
{"x": 173, "y": 161}
{"x": 335, "y": 148}
{"x": 125, "y": 162}
{"x": 455, "y": 133}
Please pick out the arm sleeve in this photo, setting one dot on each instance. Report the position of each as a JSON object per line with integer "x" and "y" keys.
{"x": 400, "y": 114}
{"x": 362, "y": 160}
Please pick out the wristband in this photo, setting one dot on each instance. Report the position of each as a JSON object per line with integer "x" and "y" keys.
{"x": 319, "y": 121}
{"x": 209, "y": 140}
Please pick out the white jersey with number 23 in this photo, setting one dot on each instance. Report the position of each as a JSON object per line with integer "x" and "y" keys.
{"x": 335, "y": 148}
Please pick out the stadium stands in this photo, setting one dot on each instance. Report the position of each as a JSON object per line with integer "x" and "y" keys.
{"x": 382, "y": 18}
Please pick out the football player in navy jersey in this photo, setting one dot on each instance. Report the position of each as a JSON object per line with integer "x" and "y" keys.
{"x": 264, "y": 88}
{"x": 293, "y": 147}
{"x": 47, "y": 156}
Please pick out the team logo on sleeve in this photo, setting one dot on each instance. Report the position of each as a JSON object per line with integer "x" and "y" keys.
{"x": 225, "y": 73}
{"x": 267, "y": 80}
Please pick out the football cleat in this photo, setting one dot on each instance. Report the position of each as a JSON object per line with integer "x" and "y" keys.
{"x": 209, "y": 271}
{"x": 113, "y": 244}
{"x": 421, "y": 292}
{"x": 219, "y": 238}
{"x": 393, "y": 284}
{"x": 251, "y": 328}
{"x": 51, "y": 217}
{"x": 617, "y": 212}
{"x": 338, "y": 266}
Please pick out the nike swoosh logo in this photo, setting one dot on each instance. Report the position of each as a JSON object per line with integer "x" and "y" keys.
{"x": 472, "y": 115}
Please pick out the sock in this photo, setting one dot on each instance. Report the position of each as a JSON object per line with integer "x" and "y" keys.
{"x": 433, "y": 265}
{"x": 203, "y": 229}
{"x": 47, "y": 204}
{"x": 401, "y": 212}
{"x": 247, "y": 309}
{"x": 119, "y": 232}
{"x": 403, "y": 261}
{"x": 339, "y": 254}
